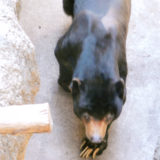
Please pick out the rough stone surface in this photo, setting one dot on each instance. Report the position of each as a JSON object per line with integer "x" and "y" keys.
{"x": 134, "y": 135}
{"x": 19, "y": 80}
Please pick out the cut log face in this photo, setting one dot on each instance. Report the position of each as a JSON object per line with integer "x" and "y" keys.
{"x": 24, "y": 119}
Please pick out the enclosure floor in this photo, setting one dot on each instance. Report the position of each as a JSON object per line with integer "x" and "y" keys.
{"x": 135, "y": 134}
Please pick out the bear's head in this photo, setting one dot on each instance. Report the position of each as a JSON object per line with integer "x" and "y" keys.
{"x": 97, "y": 102}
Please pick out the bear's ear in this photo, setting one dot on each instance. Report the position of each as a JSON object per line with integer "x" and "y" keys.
{"x": 120, "y": 88}
{"x": 76, "y": 83}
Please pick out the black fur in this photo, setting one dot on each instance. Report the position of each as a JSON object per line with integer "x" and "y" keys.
{"x": 68, "y": 6}
{"x": 96, "y": 55}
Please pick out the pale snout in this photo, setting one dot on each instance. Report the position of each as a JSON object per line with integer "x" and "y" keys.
{"x": 95, "y": 130}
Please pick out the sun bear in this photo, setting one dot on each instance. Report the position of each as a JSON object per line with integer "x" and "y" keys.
{"x": 93, "y": 66}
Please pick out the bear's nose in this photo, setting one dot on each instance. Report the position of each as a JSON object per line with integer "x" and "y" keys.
{"x": 96, "y": 139}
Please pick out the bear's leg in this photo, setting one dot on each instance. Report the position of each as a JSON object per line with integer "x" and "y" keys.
{"x": 65, "y": 77}
{"x": 89, "y": 149}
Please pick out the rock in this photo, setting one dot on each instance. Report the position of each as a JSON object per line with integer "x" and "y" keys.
{"x": 19, "y": 79}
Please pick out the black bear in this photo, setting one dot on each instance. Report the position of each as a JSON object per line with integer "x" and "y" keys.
{"x": 92, "y": 64}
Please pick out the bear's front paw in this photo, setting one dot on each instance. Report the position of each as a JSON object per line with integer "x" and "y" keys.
{"x": 64, "y": 85}
{"x": 89, "y": 149}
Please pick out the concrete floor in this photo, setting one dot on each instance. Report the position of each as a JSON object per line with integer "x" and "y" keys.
{"x": 134, "y": 136}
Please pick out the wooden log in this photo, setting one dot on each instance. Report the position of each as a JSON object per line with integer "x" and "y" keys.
{"x": 24, "y": 119}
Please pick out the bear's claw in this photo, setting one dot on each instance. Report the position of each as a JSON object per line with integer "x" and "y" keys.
{"x": 87, "y": 153}
{"x": 95, "y": 152}
{"x": 82, "y": 145}
{"x": 91, "y": 150}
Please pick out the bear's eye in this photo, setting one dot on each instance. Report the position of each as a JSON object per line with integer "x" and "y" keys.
{"x": 86, "y": 117}
{"x": 109, "y": 118}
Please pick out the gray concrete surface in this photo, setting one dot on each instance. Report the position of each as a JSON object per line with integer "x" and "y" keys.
{"x": 134, "y": 136}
